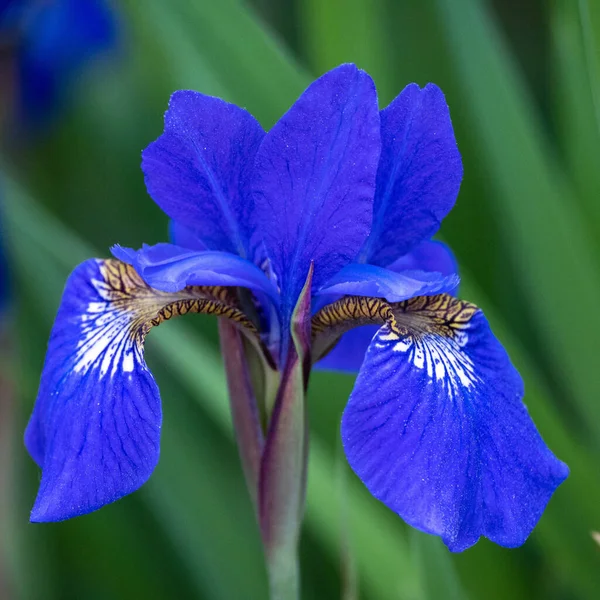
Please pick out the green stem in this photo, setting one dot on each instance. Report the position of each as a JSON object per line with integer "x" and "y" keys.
{"x": 282, "y": 485}
{"x": 284, "y": 574}
{"x": 282, "y": 482}
{"x": 244, "y": 409}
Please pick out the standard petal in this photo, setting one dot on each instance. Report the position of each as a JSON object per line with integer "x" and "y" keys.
{"x": 349, "y": 353}
{"x": 197, "y": 171}
{"x": 437, "y": 431}
{"x": 315, "y": 180}
{"x": 170, "y": 268}
{"x": 95, "y": 427}
{"x": 431, "y": 255}
{"x": 419, "y": 174}
{"x": 377, "y": 282}
{"x": 183, "y": 236}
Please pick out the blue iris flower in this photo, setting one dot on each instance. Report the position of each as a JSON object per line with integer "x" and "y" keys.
{"x": 50, "y": 42}
{"x": 435, "y": 426}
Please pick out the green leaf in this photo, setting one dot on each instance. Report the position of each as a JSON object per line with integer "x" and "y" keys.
{"x": 341, "y": 31}
{"x": 443, "y": 582}
{"x": 576, "y": 98}
{"x": 547, "y": 239}
{"x": 249, "y": 67}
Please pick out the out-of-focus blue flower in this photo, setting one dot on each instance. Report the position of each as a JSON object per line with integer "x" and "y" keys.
{"x": 435, "y": 426}
{"x": 49, "y": 42}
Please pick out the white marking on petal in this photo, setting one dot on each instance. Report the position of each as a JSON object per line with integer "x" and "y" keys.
{"x": 128, "y": 363}
{"x": 402, "y": 345}
{"x": 388, "y": 336}
{"x": 106, "y": 341}
{"x": 418, "y": 357}
{"x": 442, "y": 358}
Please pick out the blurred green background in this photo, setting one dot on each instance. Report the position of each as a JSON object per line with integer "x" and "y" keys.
{"x": 523, "y": 86}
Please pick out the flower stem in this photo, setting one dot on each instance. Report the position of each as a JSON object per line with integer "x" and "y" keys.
{"x": 282, "y": 482}
{"x": 244, "y": 409}
{"x": 282, "y": 485}
{"x": 284, "y": 574}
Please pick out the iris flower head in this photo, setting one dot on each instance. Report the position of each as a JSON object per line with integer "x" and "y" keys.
{"x": 435, "y": 426}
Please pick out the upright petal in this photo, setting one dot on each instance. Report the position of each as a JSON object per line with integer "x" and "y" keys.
{"x": 437, "y": 431}
{"x": 96, "y": 423}
{"x": 431, "y": 255}
{"x": 419, "y": 174}
{"x": 197, "y": 171}
{"x": 315, "y": 180}
{"x": 183, "y": 236}
{"x": 349, "y": 353}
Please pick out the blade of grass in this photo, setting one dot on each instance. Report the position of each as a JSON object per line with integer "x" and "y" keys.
{"x": 576, "y": 102}
{"x": 252, "y": 67}
{"x": 545, "y": 235}
{"x": 443, "y": 582}
{"x": 341, "y": 31}
{"x": 591, "y": 56}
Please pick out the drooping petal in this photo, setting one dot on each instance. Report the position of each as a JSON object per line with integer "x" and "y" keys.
{"x": 368, "y": 280}
{"x": 170, "y": 268}
{"x": 197, "y": 171}
{"x": 349, "y": 353}
{"x": 419, "y": 174}
{"x": 437, "y": 431}
{"x": 95, "y": 427}
{"x": 315, "y": 180}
